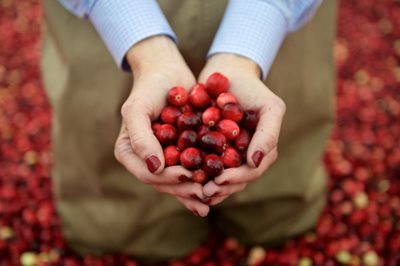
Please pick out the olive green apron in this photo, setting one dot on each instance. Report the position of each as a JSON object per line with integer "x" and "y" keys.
{"x": 103, "y": 208}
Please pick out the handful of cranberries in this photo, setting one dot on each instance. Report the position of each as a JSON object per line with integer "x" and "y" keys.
{"x": 206, "y": 130}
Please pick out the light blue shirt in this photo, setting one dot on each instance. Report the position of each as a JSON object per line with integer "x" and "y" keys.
{"x": 251, "y": 28}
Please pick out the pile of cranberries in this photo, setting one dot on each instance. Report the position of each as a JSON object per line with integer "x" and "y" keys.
{"x": 205, "y": 130}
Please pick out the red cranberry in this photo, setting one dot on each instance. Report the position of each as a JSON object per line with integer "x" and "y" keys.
{"x": 213, "y": 165}
{"x": 166, "y": 134}
{"x": 187, "y": 139}
{"x": 187, "y": 108}
{"x": 201, "y": 131}
{"x": 211, "y": 116}
{"x": 188, "y": 121}
{"x": 232, "y": 111}
{"x": 177, "y": 96}
{"x": 199, "y": 176}
{"x": 225, "y": 98}
{"x": 217, "y": 84}
{"x": 199, "y": 97}
{"x": 243, "y": 139}
{"x": 171, "y": 155}
{"x": 231, "y": 158}
{"x": 155, "y": 126}
{"x": 229, "y": 128}
{"x": 191, "y": 158}
{"x": 213, "y": 141}
{"x": 250, "y": 119}
{"x": 169, "y": 114}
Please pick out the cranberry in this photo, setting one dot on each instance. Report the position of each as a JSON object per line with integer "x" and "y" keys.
{"x": 217, "y": 84}
{"x": 191, "y": 158}
{"x": 232, "y": 111}
{"x": 213, "y": 165}
{"x": 169, "y": 114}
{"x": 229, "y": 128}
{"x": 213, "y": 142}
{"x": 250, "y": 119}
{"x": 155, "y": 126}
{"x": 225, "y": 98}
{"x": 211, "y": 116}
{"x": 166, "y": 134}
{"x": 231, "y": 158}
{"x": 199, "y": 176}
{"x": 171, "y": 155}
{"x": 201, "y": 131}
{"x": 243, "y": 139}
{"x": 177, "y": 96}
{"x": 188, "y": 121}
{"x": 199, "y": 97}
{"x": 187, "y": 139}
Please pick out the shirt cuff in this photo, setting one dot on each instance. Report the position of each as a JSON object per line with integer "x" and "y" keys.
{"x": 253, "y": 29}
{"x": 122, "y": 23}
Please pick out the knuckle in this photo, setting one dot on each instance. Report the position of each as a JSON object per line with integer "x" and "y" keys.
{"x": 279, "y": 104}
{"x": 126, "y": 109}
{"x": 272, "y": 141}
{"x": 136, "y": 140}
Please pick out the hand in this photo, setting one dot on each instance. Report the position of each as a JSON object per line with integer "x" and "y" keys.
{"x": 157, "y": 66}
{"x": 252, "y": 94}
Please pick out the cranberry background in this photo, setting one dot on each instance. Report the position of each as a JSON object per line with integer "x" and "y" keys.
{"x": 361, "y": 222}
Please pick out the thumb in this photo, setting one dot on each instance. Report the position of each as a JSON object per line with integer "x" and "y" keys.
{"x": 144, "y": 143}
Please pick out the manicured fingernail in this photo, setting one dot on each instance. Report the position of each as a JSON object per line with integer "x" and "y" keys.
{"x": 153, "y": 163}
{"x": 195, "y": 212}
{"x": 257, "y": 157}
{"x": 183, "y": 178}
{"x": 208, "y": 201}
{"x": 226, "y": 182}
{"x": 215, "y": 194}
{"x": 194, "y": 196}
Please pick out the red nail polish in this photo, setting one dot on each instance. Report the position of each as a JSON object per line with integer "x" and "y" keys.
{"x": 194, "y": 196}
{"x": 208, "y": 201}
{"x": 183, "y": 178}
{"x": 257, "y": 157}
{"x": 215, "y": 194}
{"x": 195, "y": 213}
{"x": 226, "y": 182}
{"x": 153, "y": 163}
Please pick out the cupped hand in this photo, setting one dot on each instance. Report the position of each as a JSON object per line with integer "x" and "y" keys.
{"x": 252, "y": 94}
{"x": 156, "y": 66}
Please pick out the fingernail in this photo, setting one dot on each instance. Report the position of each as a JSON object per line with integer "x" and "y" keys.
{"x": 153, "y": 163}
{"x": 208, "y": 201}
{"x": 226, "y": 182}
{"x": 195, "y": 197}
{"x": 215, "y": 194}
{"x": 183, "y": 178}
{"x": 257, "y": 157}
{"x": 195, "y": 212}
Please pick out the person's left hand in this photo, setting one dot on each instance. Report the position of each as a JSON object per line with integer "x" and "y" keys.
{"x": 252, "y": 94}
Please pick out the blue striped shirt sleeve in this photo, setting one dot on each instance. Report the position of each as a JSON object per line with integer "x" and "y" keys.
{"x": 256, "y": 28}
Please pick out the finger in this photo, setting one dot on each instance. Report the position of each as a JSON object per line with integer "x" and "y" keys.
{"x": 216, "y": 200}
{"x": 144, "y": 143}
{"x": 245, "y": 173}
{"x": 195, "y": 206}
{"x": 188, "y": 190}
{"x": 213, "y": 190}
{"x": 265, "y": 139}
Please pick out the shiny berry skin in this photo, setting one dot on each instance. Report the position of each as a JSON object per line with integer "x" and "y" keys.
{"x": 216, "y": 84}
{"x": 169, "y": 114}
{"x": 213, "y": 165}
{"x": 187, "y": 139}
{"x": 191, "y": 158}
{"x": 231, "y": 158}
{"x": 186, "y": 108}
{"x": 229, "y": 128}
{"x": 201, "y": 131}
{"x": 225, "y": 98}
{"x": 213, "y": 141}
{"x": 171, "y": 155}
{"x": 166, "y": 134}
{"x": 250, "y": 119}
{"x": 177, "y": 96}
{"x": 198, "y": 97}
{"x": 232, "y": 111}
{"x": 155, "y": 126}
{"x": 199, "y": 176}
{"x": 242, "y": 141}
{"x": 211, "y": 116}
{"x": 188, "y": 121}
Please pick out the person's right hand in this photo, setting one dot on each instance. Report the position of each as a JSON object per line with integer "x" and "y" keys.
{"x": 156, "y": 66}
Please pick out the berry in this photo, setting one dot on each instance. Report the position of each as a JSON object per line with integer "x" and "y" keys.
{"x": 199, "y": 97}
{"x": 186, "y": 108}
{"x": 211, "y": 116}
{"x": 232, "y": 111}
{"x": 187, "y": 139}
{"x": 155, "y": 126}
{"x": 171, "y": 155}
{"x": 191, "y": 158}
{"x": 213, "y": 141}
{"x": 250, "y": 119}
{"x": 201, "y": 131}
{"x": 169, "y": 114}
{"x": 177, "y": 96}
{"x": 231, "y": 157}
{"x": 188, "y": 121}
{"x": 243, "y": 139}
{"x": 213, "y": 165}
{"x": 216, "y": 84}
{"x": 225, "y": 98}
{"x": 199, "y": 176}
{"x": 166, "y": 134}
{"x": 229, "y": 128}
